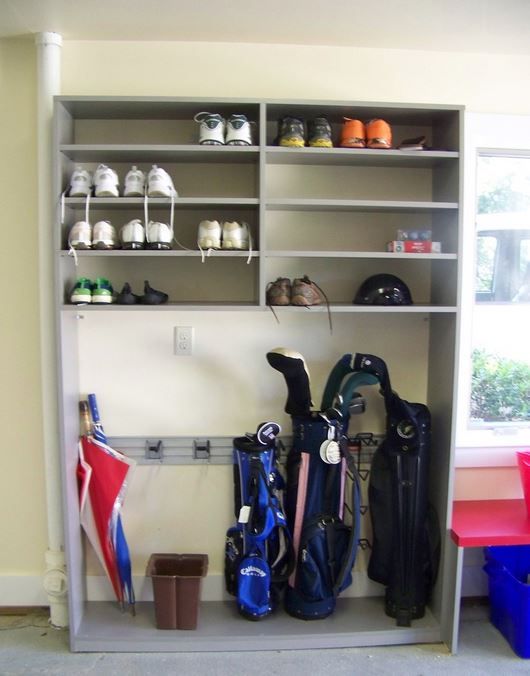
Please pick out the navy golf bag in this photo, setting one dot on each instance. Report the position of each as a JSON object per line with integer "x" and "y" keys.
{"x": 324, "y": 544}
{"x": 258, "y": 549}
{"x": 406, "y": 538}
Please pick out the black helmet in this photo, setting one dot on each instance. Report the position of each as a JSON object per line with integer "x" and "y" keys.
{"x": 383, "y": 289}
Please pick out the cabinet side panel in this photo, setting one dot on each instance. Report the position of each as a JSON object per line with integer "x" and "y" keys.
{"x": 440, "y": 401}
{"x": 69, "y": 436}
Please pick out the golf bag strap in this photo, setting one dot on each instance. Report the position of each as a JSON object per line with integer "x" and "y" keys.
{"x": 257, "y": 474}
{"x": 278, "y": 521}
{"x": 348, "y": 560}
{"x": 291, "y": 559}
{"x": 329, "y": 495}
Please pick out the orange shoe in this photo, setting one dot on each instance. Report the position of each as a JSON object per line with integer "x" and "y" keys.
{"x": 352, "y": 134}
{"x": 378, "y": 134}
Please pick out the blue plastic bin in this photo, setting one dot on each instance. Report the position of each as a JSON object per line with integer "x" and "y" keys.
{"x": 508, "y": 569}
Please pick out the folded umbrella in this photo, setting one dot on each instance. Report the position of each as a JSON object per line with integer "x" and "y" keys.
{"x": 103, "y": 474}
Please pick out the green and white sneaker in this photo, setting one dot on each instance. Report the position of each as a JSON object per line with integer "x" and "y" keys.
{"x": 82, "y": 292}
{"x": 102, "y": 292}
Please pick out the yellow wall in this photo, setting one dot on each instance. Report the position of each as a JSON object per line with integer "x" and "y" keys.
{"x": 22, "y": 491}
{"x": 483, "y": 83}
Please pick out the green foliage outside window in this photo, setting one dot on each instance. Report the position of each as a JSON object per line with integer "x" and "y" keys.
{"x": 500, "y": 388}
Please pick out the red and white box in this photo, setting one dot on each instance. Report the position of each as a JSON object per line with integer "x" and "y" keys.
{"x": 413, "y": 246}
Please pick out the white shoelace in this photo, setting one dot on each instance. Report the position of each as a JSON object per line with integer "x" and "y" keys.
{"x": 209, "y": 251}
{"x": 71, "y": 250}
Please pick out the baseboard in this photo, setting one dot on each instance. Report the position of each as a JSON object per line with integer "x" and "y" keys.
{"x": 22, "y": 590}
{"x": 27, "y": 590}
{"x": 7, "y": 611}
{"x": 213, "y": 588}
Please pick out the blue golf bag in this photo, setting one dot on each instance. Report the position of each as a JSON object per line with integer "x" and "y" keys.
{"x": 325, "y": 546}
{"x": 258, "y": 548}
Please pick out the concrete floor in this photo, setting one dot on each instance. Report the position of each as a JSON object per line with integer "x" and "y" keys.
{"x": 28, "y": 645}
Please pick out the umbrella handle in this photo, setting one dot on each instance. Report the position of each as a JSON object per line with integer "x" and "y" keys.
{"x": 84, "y": 418}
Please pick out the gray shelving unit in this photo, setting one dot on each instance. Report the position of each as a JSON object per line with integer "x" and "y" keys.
{"x": 277, "y": 191}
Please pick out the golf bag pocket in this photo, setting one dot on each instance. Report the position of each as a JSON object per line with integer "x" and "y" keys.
{"x": 234, "y": 547}
{"x": 254, "y": 585}
{"x": 320, "y": 576}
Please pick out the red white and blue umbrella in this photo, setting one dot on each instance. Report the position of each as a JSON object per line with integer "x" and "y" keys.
{"x": 103, "y": 474}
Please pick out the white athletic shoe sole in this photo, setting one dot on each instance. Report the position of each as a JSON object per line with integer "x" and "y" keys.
{"x": 159, "y": 189}
{"x": 79, "y": 189}
{"x": 78, "y": 298}
{"x": 101, "y": 300}
{"x": 209, "y": 243}
{"x": 79, "y": 244}
{"x": 106, "y": 189}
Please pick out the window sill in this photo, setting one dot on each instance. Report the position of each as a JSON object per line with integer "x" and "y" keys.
{"x": 482, "y": 456}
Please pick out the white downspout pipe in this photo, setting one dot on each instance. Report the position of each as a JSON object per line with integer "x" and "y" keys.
{"x": 49, "y": 85}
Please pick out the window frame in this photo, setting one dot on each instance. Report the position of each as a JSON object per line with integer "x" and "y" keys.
{"x": 493, "y": 135}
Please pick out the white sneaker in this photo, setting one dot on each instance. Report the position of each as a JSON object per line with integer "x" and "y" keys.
{"x": 211, "y": 129}
{"x": 235, "y": 235}
{"x": 105, "y": 182}
{"x": 80, "y": 183}
{"x": 209, "y": 235}
{"x": 238, "y": 131}
{"x": 132, "y": 235}
{"x": 104, "y": 236}
{"x": 159, "y": 183}
{"x": 134, "y": 183}
{"x": 159, "y": 235}
{"x": 80, "y": 236}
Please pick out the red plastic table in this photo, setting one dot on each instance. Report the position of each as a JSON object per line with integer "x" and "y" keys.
{"x": 483, "y": 523}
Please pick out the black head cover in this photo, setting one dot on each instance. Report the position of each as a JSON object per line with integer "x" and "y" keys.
{"x": 293, "y": 367}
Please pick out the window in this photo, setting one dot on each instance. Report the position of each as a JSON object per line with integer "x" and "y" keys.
{"x": 500, "y": 376}
{"x": 494, "y": 373}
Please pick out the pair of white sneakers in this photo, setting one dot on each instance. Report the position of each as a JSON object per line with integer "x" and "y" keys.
{"x": 157, "y": 235}
{"x": 231, "y": 235}
{"x": 106, "y": 184}
{"x": 83, "y": 236}
{"x": 214, "y": 130}
{"x": 133, "y": 235}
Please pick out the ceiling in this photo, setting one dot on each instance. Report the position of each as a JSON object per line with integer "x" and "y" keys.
{"x": 490, "y": 26}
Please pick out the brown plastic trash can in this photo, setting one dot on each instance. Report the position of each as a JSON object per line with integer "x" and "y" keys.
{"x": 177, "y": 580}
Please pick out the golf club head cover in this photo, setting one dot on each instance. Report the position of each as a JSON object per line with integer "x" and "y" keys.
{"x": 369, "y": 363}
{"x": 267, "y": 433}
{"x": 293, "y": 367}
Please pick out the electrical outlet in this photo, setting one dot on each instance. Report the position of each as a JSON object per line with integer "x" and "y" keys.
{"x": 183, "y": 340}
